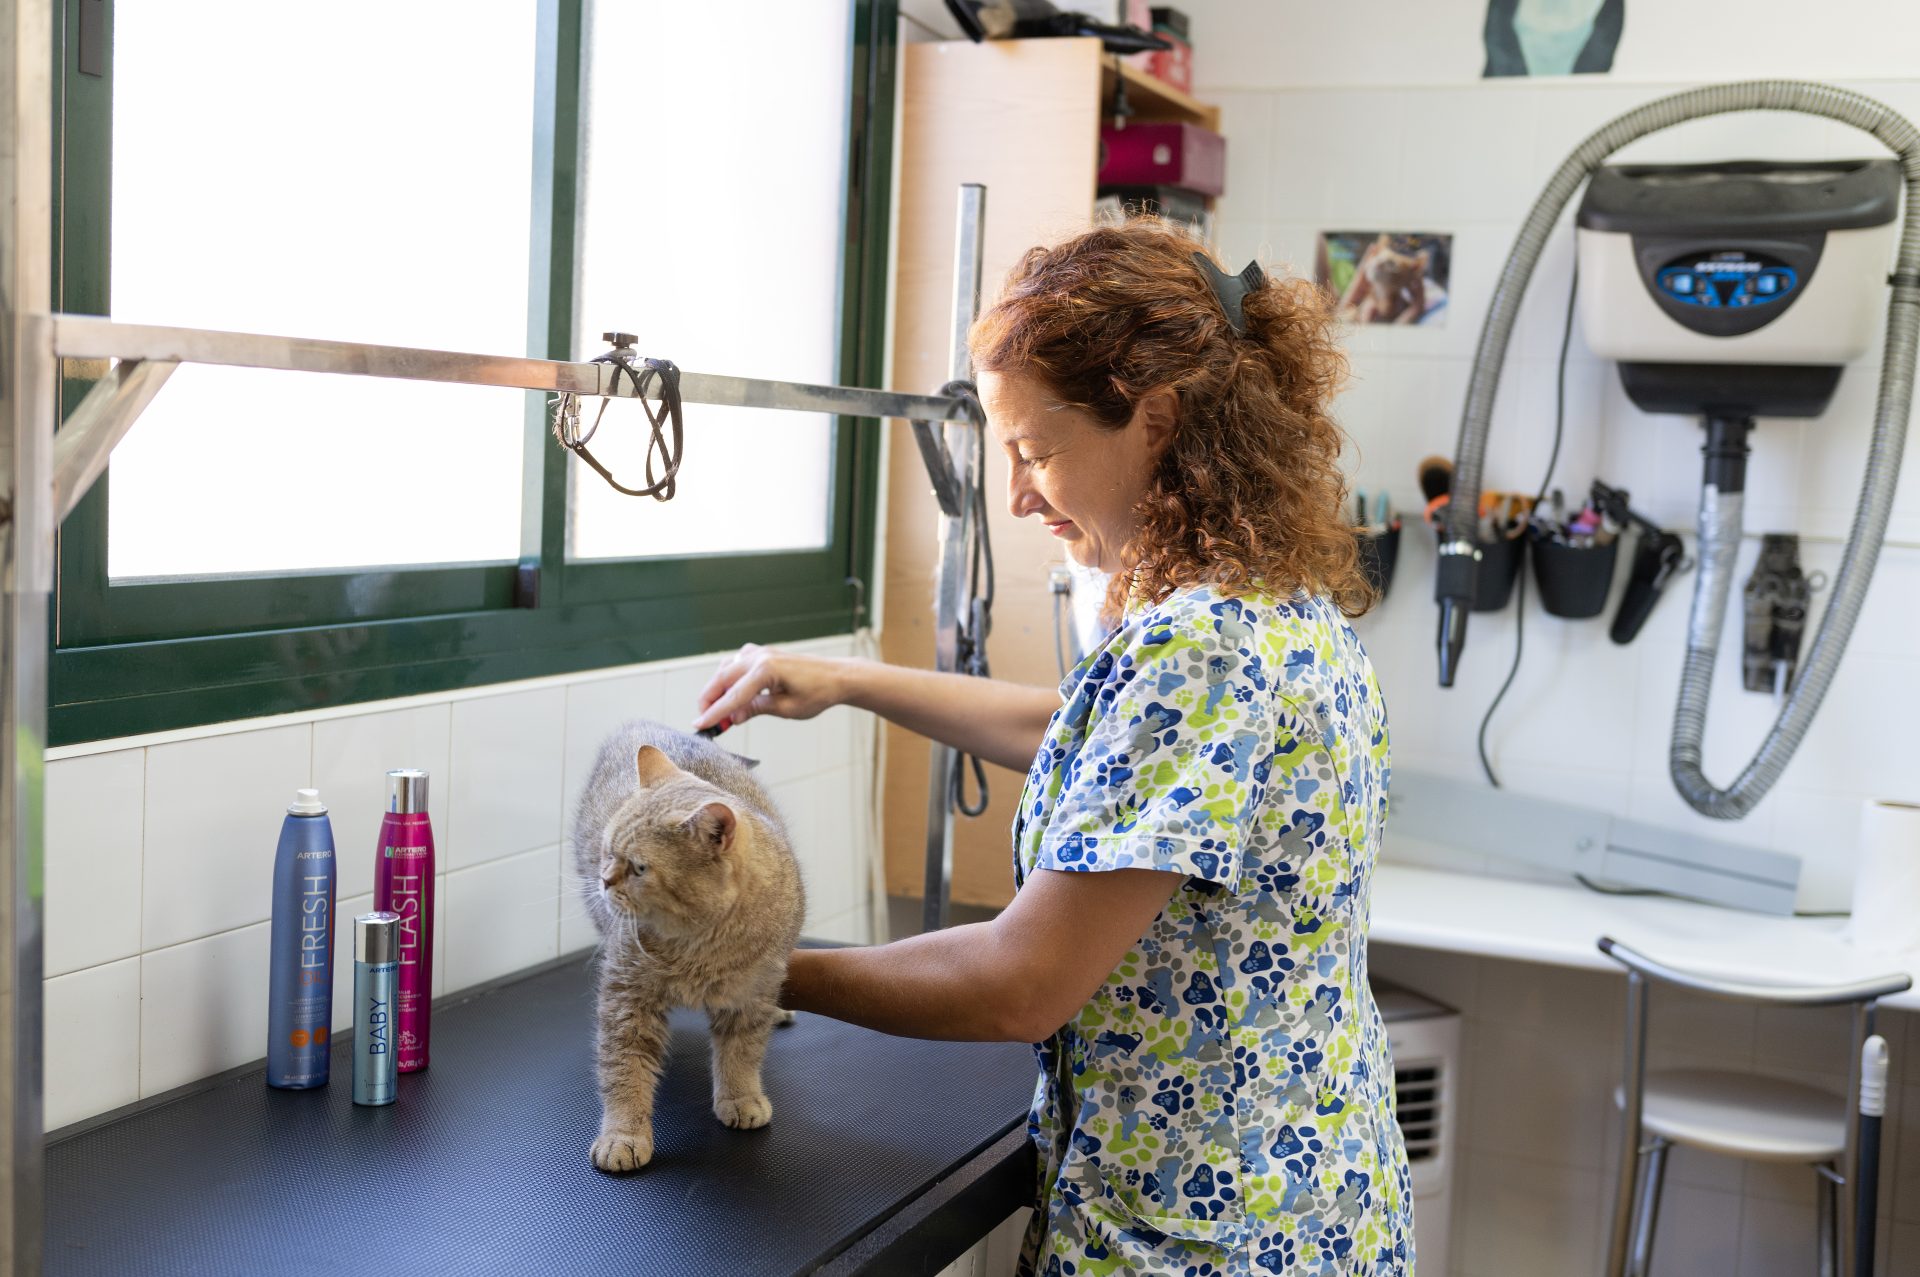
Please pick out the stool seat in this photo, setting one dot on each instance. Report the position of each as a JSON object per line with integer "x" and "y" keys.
{"x": 1743, "y": 1115}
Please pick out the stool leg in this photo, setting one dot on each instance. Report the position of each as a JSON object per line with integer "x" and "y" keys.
{"x": 1647, "y": 1210}
{"x": 1633, "y": 1077}
{"x": 1829, "y": 1234}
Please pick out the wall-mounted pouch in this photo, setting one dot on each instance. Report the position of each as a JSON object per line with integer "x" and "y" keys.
{"x": 1379, "y": 551}
{"x": 1499, "y": 565}
{"x": 1574, "y": 580}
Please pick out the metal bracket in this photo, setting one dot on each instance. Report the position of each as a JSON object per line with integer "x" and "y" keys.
{"x": 85, "y": 443}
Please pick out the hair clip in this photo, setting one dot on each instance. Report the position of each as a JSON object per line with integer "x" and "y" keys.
{"x": 1232, "y": 290}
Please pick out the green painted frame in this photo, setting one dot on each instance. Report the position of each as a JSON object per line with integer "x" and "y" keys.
{"x": 142, "y": 657}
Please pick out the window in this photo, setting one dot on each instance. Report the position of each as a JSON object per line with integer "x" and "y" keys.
{"x": 329, "y": 197}
{"x": 748, "y": 287}
{"x": 269, "y": 541}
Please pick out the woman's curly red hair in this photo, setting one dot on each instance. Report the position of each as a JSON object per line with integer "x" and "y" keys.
{"x": 1248, "y": 494}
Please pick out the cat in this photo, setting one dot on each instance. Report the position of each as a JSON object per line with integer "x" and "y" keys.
{"x": 690, "y": 877}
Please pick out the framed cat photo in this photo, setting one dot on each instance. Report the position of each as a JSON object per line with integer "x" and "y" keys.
{"x": 1385, "y": 277}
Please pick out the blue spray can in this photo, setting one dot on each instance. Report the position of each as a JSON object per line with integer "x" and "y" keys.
{"x": 300, "y": 988}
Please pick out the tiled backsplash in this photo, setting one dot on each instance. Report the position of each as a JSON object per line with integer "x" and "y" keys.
{"x": 160, "y": 856}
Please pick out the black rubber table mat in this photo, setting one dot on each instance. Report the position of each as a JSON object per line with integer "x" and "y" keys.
{"x": 482, "y": 1167}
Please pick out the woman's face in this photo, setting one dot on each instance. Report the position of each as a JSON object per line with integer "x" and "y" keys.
{"x": 1080, "y": 479}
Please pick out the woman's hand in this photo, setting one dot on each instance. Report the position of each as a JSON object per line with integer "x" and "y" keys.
{"x": 764, "y": 680}
{"x": 1000, "y": 722}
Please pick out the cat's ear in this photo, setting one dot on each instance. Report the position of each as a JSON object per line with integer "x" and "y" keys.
{"x": 652, "y": 765}
{"x": 712, "y": 827}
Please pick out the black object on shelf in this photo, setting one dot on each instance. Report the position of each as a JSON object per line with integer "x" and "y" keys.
{"x": 1574, "y": 580}
{"x": 1041, "y": 18}
{"x": 1174, "y": 20}
{"x": 1379, "y": 551}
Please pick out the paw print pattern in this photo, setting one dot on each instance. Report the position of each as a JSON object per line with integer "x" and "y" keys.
{"x": 1175, "y": 1095}
{"x": 1221, "y": 1104}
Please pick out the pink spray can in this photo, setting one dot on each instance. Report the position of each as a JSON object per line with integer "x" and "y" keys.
{"x": 403, "y": 883}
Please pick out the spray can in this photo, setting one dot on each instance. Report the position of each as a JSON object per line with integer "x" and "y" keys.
{"x": 300, "y": 977}
{"x": 376, "y": 984}
{"x": 403, "y": 885}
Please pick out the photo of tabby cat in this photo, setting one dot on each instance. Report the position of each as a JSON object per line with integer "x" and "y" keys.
{"x": 690, "y": 877}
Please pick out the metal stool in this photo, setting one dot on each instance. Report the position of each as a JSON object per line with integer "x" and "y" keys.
{"x": 1738, "y": 1114}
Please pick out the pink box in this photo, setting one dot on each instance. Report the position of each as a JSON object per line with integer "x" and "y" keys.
{"x": 1152, "y": 153}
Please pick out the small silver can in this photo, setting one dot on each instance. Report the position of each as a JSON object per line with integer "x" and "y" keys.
{"x": 376, "y": 978}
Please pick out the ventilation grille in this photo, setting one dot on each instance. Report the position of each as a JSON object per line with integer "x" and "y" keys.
{"x": 1416, "y": 1090}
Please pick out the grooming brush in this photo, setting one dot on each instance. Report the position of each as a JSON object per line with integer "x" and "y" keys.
{"x": 1436, "y": 484}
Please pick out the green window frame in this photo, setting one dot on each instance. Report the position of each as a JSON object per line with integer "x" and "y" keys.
{"x": 139, "y": 657}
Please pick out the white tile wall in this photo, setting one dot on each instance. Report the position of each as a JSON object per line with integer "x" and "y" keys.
{"x": 93, "y": 868}
{"x": 508, "y": 761}
{"x": 203, "y": 1007}
{"x": 213, "y": 813}
{"x": 502, "y": 916}
{"x": 356, "y": 793}
{"x": 87, "y": 1016}
{"x": 160, "y": 858}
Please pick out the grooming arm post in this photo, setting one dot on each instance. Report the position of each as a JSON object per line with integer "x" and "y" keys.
{"x": 956, "y": 533}
{"x": 26, "y": 435}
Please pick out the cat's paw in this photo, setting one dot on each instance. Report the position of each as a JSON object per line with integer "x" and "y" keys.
{"x": 618, "y": 1151}
{"x": 783, "y": 1019}
{"x": 744, "y": 1112}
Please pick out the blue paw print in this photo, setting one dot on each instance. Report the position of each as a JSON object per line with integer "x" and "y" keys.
{"x": 1175, "y": 1094}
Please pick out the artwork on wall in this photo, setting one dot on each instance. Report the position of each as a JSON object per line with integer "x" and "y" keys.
{"x": 1385, "y": 277}
{"x": 1552, "y": 37}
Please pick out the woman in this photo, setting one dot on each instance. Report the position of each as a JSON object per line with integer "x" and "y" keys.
{"x": 1204, "y": 796}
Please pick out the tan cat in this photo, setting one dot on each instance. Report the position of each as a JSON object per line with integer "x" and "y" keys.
{"x": 690, "y": 877}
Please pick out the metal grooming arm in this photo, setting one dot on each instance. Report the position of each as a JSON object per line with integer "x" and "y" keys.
{"x": 956, "y": 533}
{"x": 46, "y": 475}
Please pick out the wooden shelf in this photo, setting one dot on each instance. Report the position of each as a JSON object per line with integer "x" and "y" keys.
{"x": 1152, "y": 98}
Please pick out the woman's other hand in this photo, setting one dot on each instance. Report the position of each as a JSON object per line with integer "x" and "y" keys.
{"x": 764, "y": 680}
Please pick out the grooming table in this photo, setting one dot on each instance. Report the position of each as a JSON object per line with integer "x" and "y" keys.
{"x": 885, "y": 1156}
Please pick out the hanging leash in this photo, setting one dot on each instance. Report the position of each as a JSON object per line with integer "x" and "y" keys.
{"x": 668, "y": 451}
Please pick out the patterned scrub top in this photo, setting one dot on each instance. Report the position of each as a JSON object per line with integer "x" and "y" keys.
{"x": 1223, "y": 1104}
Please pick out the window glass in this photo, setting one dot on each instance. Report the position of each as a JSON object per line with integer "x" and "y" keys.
{"x": 375, "y": 188}
{"x": 715, "y": 180}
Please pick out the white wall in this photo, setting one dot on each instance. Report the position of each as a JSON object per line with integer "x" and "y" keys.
{"x": 160, "y": 856}
{"x": 1587, "y": 721}
{"x": 1260, "y": 44}
{"x": 1372, "y": 116}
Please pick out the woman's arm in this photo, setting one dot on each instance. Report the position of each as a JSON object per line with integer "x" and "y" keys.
{"x": 998, "y": 721}
{"x": 1015, "y": 979}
